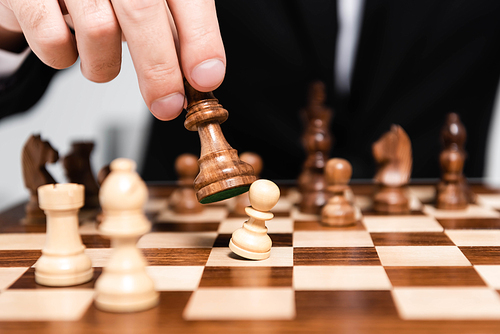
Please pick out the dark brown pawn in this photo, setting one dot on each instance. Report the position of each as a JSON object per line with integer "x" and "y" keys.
{"x": 36, "y": 153}
{"x": 183, "y": 199}
{"x": 242, "y": 201}
{"x": 222, "y": 174}
{"x": 78, "y": 170}
{"x": 338, "y": 211}
{"x": 392, "y": 153}
{"x": 317, "y": 142}
{"x": 453, "y": 192}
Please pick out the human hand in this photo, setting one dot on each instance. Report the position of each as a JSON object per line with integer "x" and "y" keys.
{"x": 151, "y": 33}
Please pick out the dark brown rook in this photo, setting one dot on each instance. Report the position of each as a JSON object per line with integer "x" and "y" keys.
{"x": 222, "y": 174}
{"x": 453, "y": 192}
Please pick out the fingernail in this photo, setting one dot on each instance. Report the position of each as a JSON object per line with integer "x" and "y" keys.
{"x": 209, "y": 73}
{"x": 168, "y": 107}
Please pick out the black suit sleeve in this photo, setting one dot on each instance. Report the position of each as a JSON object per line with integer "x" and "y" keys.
{"x": 25, "y": 87}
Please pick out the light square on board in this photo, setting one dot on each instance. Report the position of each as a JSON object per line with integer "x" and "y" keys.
{"x": 175, "y": 278}
{"x": 276, "y": 225}
{"x": 99, "y": 256}
{"x": 241, "y": 304}
{"x": 177, "y": 240}
{"x": 401, "y": 224}
{"x": 295, "y": 214}
{"x": 156, "y": 205}
{"x": 447, "y": 303}
{"x": 423, "y": 193}
{"x": 332, "y": 239}
{"x": 421, "y": 256}
{"x": 340, "y": 278}
{"x": 14, "y": 241}
{"x": 490, "y": 274}
{"x": 472, "y": 211}
{"x": 474, "y": 237}
{"x": 224, "y": 257}
{"x": 209, "y": 214}
{"x": 490, "y": 200}
{"x": 44, "y": 304}
{"x": 10, "y": 275}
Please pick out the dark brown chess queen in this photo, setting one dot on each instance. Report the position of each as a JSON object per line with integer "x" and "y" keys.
{"x": 222, "y": 174}
{"x": 317, "y": 142}
{"x": 392, "y": 152}
{"x": 453, "y": 192}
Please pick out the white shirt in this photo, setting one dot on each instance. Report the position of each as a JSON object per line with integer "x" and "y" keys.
{"x": 10, "y": 62}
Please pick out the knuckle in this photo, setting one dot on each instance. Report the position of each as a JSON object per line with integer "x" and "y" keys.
{"x": 159, "y": 73}
{"x": 95, "y": 29}
{"x": 103, "y": 71}
{"x": 136, "y": 10}
{"x": 32, "y": 16}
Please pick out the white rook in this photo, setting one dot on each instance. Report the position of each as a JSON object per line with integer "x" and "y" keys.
{"x": 63, "y": 261}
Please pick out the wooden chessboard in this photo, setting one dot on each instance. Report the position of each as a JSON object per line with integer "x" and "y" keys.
{"x": 429, "y": 272}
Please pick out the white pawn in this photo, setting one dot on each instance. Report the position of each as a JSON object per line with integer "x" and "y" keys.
{"x": 251, "y": 241}
{"x": 63, "y": 261}
{"x": 124, "y": 285}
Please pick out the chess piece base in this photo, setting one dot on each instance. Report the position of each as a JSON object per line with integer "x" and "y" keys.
{"x": 451, "y": 197}
{"x": 64, "y": 279}
{"x": 248, "y": 254}
{"x": 391, "y": 200}
{"x": 127, "y": 303}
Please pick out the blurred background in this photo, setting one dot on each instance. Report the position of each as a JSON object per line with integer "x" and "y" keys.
{"x": 114, "y": 116}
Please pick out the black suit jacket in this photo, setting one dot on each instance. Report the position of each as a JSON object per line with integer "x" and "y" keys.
{"x": 25, "y": 87}
{"x": 416, "y": 61}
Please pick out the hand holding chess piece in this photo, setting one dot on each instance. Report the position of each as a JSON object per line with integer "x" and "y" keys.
{"x": 222, "y": 174}
{"x": 183, "y": 199}
{"x": 338, "y": 211}
{"x": 392, "y": 152}
{"x": 251, "y": 241}
{"x": 124, "y": 285}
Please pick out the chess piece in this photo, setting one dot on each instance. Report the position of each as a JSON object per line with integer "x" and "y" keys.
{"x": 63, "y": 261}
{"x": 36, "y": 153}
{"x": 317, "y": 142}
{"x": 222, "y": 174}
{"x": 103, "y": 174}
{"x": 338, "y": 211}
{"x": 124, "y": 285}
{"x": 78, "y": 170}
{"x": 251, "y": 241}
{"x": 242, "y": 201}
{"x": 392, "y": 152}
{"x": 183, "y": 199}
{"x": 452, "y": 191}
